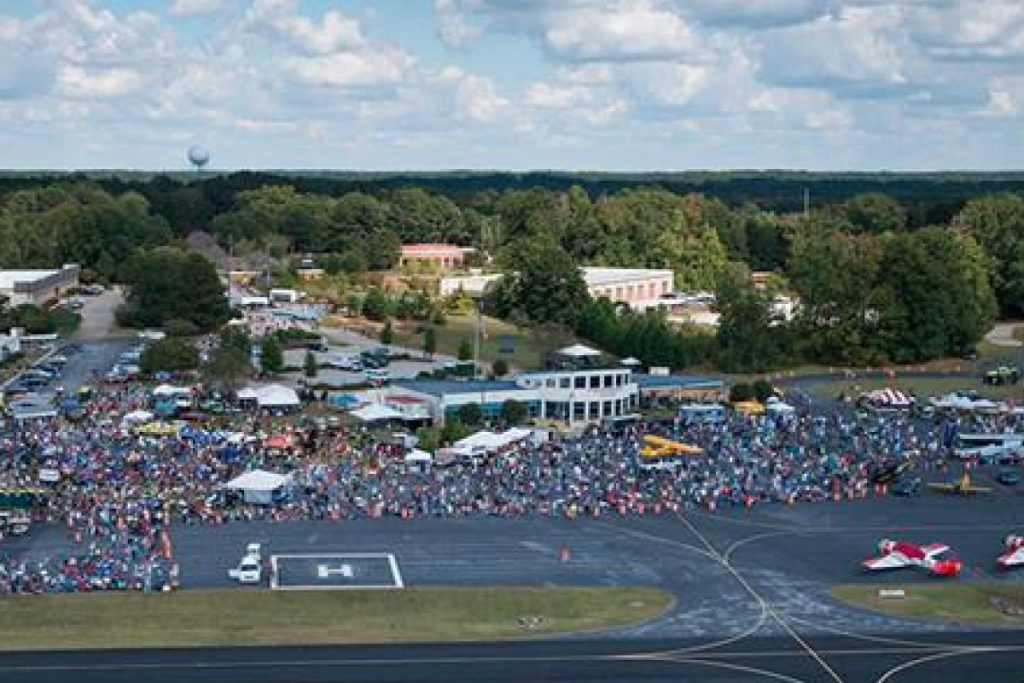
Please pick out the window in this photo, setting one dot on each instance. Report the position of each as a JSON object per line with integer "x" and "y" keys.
{"x": 552, "y": 382}
{"x": 595, "y": 381}
{"x": 565, "y": 383}
{"x": 607, "y": 407}
{"x": 609, "y": 380}
{"x": 594, "y": 409}
{"x": 581, "y": 382}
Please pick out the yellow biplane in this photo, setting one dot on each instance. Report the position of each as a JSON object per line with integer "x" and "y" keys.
{"x": 659, "y": 447}
{"x": 959, "y": 487}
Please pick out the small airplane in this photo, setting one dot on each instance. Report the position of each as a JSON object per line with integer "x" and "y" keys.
{"x": 1014, "y": 554}
{"x": 959, "y": 487}
{"x": 897, "y": 555}
{"x": 889, "y": 472}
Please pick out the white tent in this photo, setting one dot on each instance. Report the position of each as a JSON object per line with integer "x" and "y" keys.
{"x": 138, "y": 417}
{"x": 271, "y": 396}
{"x": 578, "y": 351}
{"x": 170, "y": 390}
{"x": 259, "y": 486}
{"x": 376, "y": 412}
{"x": 489, "y": 442}
{"x": 775, "y": 405}
{"x": 631, "y": 362}
{"x": 418, "y": 456}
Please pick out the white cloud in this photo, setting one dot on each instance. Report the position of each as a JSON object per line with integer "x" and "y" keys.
{"x": 478, "y": 100}
{"x": 630, "y": 29}
{"x": 195, "y": 8}
{"x": 78, "y": 82}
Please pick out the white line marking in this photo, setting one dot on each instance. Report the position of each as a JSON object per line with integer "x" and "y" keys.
{"x": 750, "y": 589}
{"x": 395, "y": 574}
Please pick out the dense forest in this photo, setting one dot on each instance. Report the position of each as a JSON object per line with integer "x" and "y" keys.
{"x": 886, "y": 267}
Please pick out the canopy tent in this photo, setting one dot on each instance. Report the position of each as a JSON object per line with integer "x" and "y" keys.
{"x": 344, "y": 401}
{"x": 159, "y": 428}
{"x": 169, "y": 390}
{"x": 631, "y": 362}
{"x": 270, "y": 396}
{"x": 259, "y": 486}
{"x": 278, "y": 442}
{"x": 749, "y": 407}
{"x": 418, "y": 456}
{"x": 888, "y": 398}
{"x": 776, "y": 405}
{"x": 957, "y": 401}
{"x": 376, "y": 412}
{"x": 490, "y": 442}
{"x": 138, "y": 417}
{"x": 578, "y": 351}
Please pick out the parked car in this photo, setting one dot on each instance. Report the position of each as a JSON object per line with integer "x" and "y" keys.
{"x": 906, "y": 486}
{"x": 1008, "y": 476}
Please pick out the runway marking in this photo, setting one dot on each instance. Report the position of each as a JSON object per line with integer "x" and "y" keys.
{"x": 921, "y": 660}
{"x": 751, "y": 539}
{"x": 750, "y": 589}
{"x": 745, "y": 669}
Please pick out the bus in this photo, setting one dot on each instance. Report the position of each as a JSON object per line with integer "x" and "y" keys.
{"x": 989, "y": 446}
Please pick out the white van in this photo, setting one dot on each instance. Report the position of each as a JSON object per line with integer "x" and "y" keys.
{"x": 250, "y": 567}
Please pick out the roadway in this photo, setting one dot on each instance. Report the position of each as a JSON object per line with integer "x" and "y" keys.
{"x": 996, "y": 656}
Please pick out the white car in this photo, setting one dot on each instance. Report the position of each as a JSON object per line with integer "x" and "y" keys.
{"x": 250, "y": 567}
{"x": 354, "y": 363}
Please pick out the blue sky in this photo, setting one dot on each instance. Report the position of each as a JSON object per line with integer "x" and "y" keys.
{"x": 513, "y": 84}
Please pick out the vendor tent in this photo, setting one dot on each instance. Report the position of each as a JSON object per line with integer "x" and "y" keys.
{"x": 376, "y": 413}
{"x": 778, "y": 406}
{"x": 170, "y": 390}
{"x": 271, "y": 396}
{"x": 578, "y": 351}
{"x": 138, "y": 417}
{"x": 259, "y": 487}
{"x": 418, "y": 456}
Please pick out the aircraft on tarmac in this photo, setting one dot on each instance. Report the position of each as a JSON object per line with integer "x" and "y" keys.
{"x": 897, "y": 555}
{"x": 959, "y": 487}
{"x": 1014, "y": 554}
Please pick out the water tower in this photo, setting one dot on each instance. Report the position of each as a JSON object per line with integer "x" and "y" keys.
{"x": 198, "y": 157}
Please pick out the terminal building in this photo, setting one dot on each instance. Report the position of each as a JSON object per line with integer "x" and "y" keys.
{"x": 36, "y": 287}
{"x": 434, "y": 256}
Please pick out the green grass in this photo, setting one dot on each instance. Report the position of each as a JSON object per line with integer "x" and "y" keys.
{"x": 260, "y": 617}
{"x": 529, "y": 346}
{"x": 921, "y": 386}
{"x": 946, "y": 602}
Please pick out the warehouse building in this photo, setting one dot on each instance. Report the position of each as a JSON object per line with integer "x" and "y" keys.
{"x": 36, "y": 287}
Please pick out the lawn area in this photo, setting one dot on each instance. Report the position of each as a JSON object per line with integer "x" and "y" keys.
{"x": 528, "y": 346}
{"x": 261, "y": 617}
{"x": 921, "y": 386}
{"x": 974, "y": 603}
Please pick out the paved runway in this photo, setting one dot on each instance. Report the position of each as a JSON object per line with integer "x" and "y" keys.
{"x": 988, "y": 657}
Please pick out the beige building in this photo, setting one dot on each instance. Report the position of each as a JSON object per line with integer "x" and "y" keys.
{"x": 37, "y": 286}
{"x": 435, "y": 256}
{"x": 638, "y": 288}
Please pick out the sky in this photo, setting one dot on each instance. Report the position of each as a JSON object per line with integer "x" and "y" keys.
{"x": 614, "y": 85}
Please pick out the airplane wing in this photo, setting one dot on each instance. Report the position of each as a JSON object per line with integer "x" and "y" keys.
{"x": 1012, "y": 558}
{"x": 890, "y": 561}
{"x": 976, "y": 489}
{"x": 945, "y": 488}
{"x": 934, "y": 549}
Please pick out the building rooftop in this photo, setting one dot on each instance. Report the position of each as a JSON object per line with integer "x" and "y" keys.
{"x": 680, "y": 381}
{"x": 442, "y": 387}
{"x": 9, "y": 278}
{"x": 415, "y": 248}
{"x": 609, "y": 276}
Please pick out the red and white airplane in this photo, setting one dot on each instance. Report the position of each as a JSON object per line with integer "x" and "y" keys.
{"x": 897, "y": 555}
{"x": 1014, "y": 554}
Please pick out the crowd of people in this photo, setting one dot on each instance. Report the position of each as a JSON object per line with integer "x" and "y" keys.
{"x": 118, "y": 491}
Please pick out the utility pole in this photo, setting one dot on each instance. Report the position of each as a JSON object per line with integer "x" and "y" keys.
{"x": 476, "y": 338}
{"x": 807, "y": 203}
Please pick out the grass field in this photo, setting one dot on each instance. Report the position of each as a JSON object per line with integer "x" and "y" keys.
{"x": 528, "y": 346}
{"x": 969, "y": 603}
{"x": 261, "y": 617}
{"x": 921, "y": 386}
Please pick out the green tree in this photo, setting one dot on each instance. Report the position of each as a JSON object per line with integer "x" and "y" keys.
{"x": 167, "y": 284}
{"x": 387, "y": 334}
{"x": 513, "y": 412}
{"x": 227, "y": 367}
{"x": 465, "y": 351}
{"x": 429, "y": 341}
{"x": 543, "y": 284}
{"x": 874, "y": 212}
{"x": 470, "y": 414}
{"x": 310, "y": 368}
{"x": 377, "y": 305}
{"x": 997, "y": 221}
{"x": 748, "y": 334}
{"x": 499, "y": 367}
{"x": 272, "y": 356}
{"x": 171, "y": 354}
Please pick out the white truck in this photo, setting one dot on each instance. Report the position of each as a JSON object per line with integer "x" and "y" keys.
{"x": 250, "y": 567}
